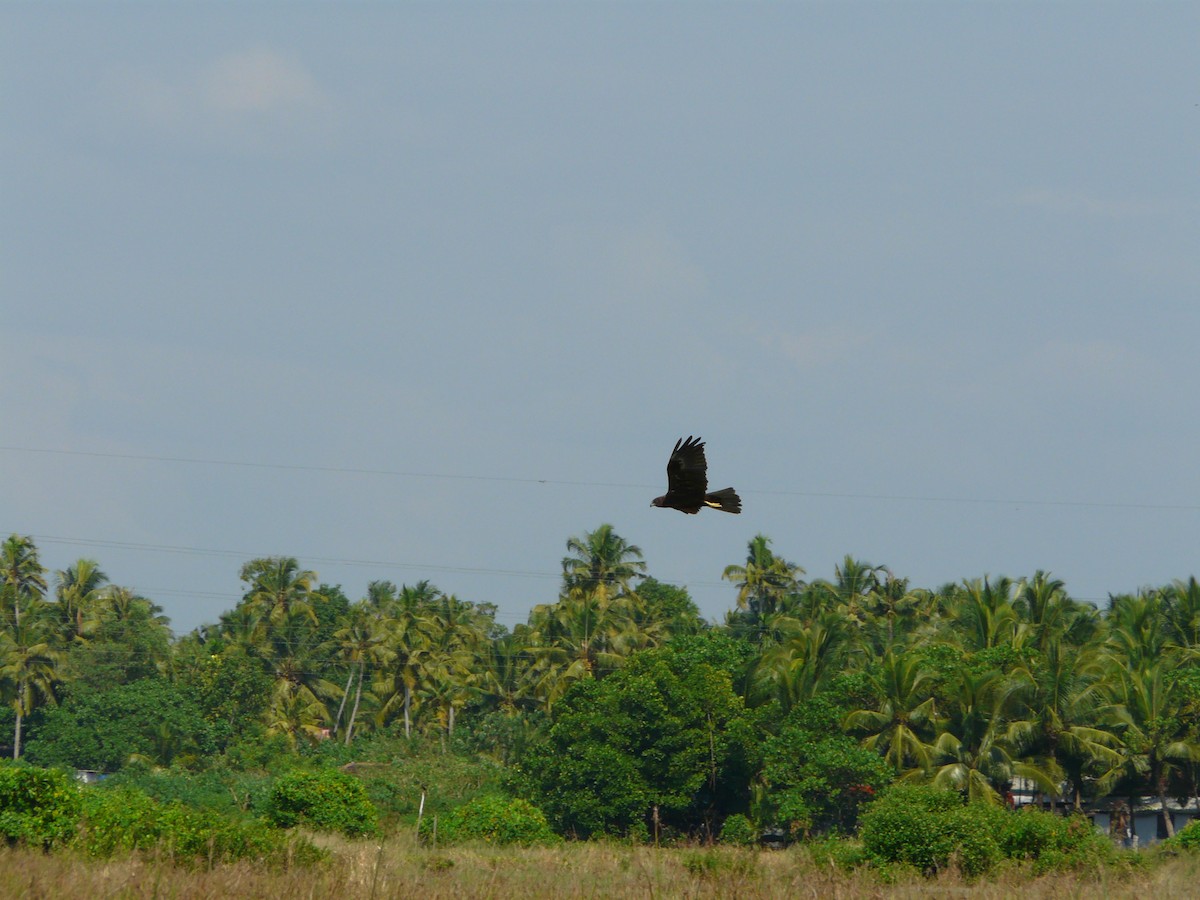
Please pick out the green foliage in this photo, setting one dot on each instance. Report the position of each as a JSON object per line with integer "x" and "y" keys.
{"x": 232, "y": 691}
{"x": 124, "y": 819}
{"x": 817, "y": 779}
{"x": 715, "y": 863}
{"x": 493, "y": 819}
{"x": 118, "y": 820}
{"x": 38, "y": 807}
{"x": 326, "y": 800}
{"x": 1187, "y": 838}
{"x": 910, "y": 824}
{"x": 931, "y": 829}
{"x": 100, "y": 730}
{"x": 664, "y": 731}
{"x": 218, "y": 789}
{"x": 1055, "y": 843}
{"x": 738, "y": 831}
{"x": 841, "y": 853}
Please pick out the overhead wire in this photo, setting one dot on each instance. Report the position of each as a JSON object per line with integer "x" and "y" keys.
{"x": 782, "y": 492}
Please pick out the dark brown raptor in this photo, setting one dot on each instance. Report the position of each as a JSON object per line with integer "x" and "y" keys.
{"x": 687, "y": 482}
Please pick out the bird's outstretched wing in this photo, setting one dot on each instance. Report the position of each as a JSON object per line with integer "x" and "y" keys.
{"x": 687, "y": 476}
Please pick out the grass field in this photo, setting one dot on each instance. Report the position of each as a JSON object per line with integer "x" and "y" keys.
{"x": 403, "y": 869}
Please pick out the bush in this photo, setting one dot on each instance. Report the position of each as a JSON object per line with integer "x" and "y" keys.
{"x": 931, "y": 829}
{"x": 738, "y": 831}
{"x": 118, "y": 820}
{"x": 906, "y": 825}
{"x": 124, "y": 819}
{"x": 494, "y": 820}
{"x": 325, "y": 801}
{"x": 38, "y": 807}
{"x": 199, "y": 835}
{"x": 1055, "y": 843}
{"x": 1187, "y": 838}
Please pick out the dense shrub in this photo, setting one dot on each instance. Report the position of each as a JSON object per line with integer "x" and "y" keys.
{"x": 38, "y": 807}
{"x": 1052, "y": 842}
{"x": 118, "y": 820}
{"x": 738, "y": 831}
{"x": 326, "y": 800}
{"x": 930, "y": 829}
{"x": 495, "y": 820}
{"x": 200, "y": 835}
{"x": 217, "y": 789}
{"x": 124, "y": 819}
{"x": 1187, "y": 838}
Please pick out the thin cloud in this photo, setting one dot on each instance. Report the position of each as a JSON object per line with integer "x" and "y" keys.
{"x": 256, "y": 81}
{"x": 254, "y": 98}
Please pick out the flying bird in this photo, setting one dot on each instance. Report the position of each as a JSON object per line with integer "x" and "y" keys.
{"x": 687, "y": 482}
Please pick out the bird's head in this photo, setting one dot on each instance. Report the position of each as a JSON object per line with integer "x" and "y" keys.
{"x": 657, "y": 501}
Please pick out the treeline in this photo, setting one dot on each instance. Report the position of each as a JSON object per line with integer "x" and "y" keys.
{"x": 616, "y": 708}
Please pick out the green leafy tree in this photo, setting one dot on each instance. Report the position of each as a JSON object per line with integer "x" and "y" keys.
{"x": 817, "y": 779}
{"x": 128, "y": 638}
{"x": 150, "y": 719}
{"x": 660, "y": 740}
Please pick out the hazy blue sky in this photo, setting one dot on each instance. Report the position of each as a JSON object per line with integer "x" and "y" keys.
{"x": 447, "y": 281}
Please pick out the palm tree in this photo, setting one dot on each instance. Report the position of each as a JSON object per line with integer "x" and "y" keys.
{"x": 362, "y": 641}
{"x": 901, "y": 722}
{"x": 24, "y": 578}
{"x": 1137, "y": 633}
{"x": 601, "y": 561}
{"x": 765, "y": 581}
{"x": 277, "y": 587}
{"x": 78, "y": 588}
{"x": 1144, "y": 698}
{"x": 852, "y": 590}
{"x": 802, "y": 662}
{"x": 29, "y": 661}
{"x": 892, "y": 603}
{"x": 986, "y": 616}
{"x": 1059, "y": 713}
{"x": 1042, "y": 603}
{"x": 504, "y": 678}
{"x": 411, "y": 625}
{"x": 973, "y": 753}
{"x": 1181, "y": 602}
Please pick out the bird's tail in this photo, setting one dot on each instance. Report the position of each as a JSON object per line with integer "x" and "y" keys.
{"x": 726, "y": 501}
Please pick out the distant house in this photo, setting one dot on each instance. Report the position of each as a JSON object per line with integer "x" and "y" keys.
{"x": 1146, "y": 826}
{"x": 1111, "y": 815}
{"x": 89, "y": 776}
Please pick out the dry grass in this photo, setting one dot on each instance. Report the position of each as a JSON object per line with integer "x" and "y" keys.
{"x": 403, "y": 869}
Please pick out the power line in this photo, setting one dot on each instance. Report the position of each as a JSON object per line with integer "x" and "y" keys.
{"x": 393, "y": 473}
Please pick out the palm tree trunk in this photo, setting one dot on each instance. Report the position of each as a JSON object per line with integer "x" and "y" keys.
{"x": 1166, "y": 813}
{"x": 357, "y": 697}
{"x": 345, "y": 693}
{"x": 17, "y": 736}
{"x": 407, "y": 710}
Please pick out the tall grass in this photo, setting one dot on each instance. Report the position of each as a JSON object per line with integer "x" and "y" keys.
{"x": 402, "y": 868}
